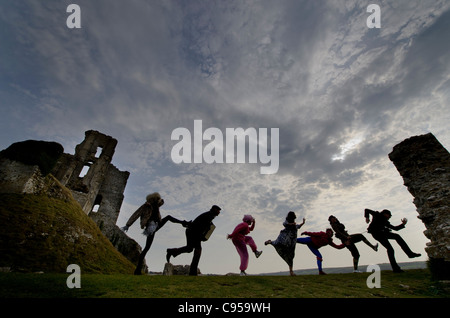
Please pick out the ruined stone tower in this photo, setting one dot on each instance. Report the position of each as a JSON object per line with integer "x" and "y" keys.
{"x": 90, "y": 175}
{"x": 98, "y": 186}
{"x": 424, "y": 165}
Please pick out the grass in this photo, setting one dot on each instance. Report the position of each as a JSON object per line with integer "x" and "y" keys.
{"x": 411, "y": 284}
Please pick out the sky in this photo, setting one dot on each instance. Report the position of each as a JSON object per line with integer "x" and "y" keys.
{"x": 341, "y": 95}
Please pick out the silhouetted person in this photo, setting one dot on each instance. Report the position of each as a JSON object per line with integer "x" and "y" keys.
{"x": 287, "y": 240}
{"x": 349, "y": 240}
{"x": 240, "y": 239}
{"x": 316, "y": 240}
{"x": 151, "y": 222}
{"x": 195, "y": 234}
{"x": 380, "y": 228}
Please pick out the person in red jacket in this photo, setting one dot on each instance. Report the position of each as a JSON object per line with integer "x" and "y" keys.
{"x": 316, "y": 240}
{"x": 241, "y": 240}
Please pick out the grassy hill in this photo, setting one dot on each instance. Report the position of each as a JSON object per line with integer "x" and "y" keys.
{"x": 39, "y": 233}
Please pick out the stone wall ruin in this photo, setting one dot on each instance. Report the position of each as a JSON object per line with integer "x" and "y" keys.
{"x": 424, "y": 165}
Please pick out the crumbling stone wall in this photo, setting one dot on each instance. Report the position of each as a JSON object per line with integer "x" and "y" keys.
{"x": 85, "y": 171}
{"x": 17, "y": 177}
{"x": 424, "y": 165}
{"x": 106, "y": 211}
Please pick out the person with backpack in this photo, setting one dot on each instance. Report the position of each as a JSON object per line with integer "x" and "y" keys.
{"x": 197, "y": 232}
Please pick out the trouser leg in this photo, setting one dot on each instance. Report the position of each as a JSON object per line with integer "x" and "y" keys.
{"x": 250, "y": 242}
{"x": 148, "y": 244}
{"x": 177, "y": 251}
{"x": 304, "y": 240}
{"x": 195, "y": 261}
{"x": 355, "y": 253}
{"x": 402, "y": 243}
{"x": 185, "y": 249}
{"x": 366, "y": 241}
{"x": 318, "y": 256}
{"x": 169, "y": 218}
{"x": 383, "y": 239}
{"x": 241, "y": 248}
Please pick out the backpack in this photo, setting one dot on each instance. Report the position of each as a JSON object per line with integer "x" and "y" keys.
{"x": 209, "y": 232}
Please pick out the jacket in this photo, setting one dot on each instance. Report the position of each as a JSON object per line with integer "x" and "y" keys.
{"x": 202, "y": 223}
{"x": 379, "y": 223}
{"x": 241, "y": 230}
{"x": 319, "y": 239}
{"x": 147, "y": 213}
{"x": 339, "y": 231}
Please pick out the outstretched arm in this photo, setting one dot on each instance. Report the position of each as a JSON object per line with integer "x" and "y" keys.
{"x": 311, "y": 233}
{"x": 134, "y": 216}
{"x": 341, "y": 246}
{"x": 238, "y": 229}
{"x": 301, "y": 224}
{"x": 398, "y": 227}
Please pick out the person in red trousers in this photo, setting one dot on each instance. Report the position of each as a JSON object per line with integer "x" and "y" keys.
{"x": 241, "y": 240}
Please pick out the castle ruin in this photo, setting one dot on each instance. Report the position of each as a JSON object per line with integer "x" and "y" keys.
{"x": 424, "y": 165}
{"x": 95, "y": 183}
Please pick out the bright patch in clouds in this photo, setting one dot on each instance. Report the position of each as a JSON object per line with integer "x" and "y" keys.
{"x": 347, "y": 148}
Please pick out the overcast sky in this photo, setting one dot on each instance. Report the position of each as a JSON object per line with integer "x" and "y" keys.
{"x": 341, "y": 94}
